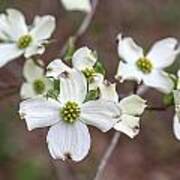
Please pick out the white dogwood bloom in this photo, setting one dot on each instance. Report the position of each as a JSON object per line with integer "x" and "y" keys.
{"x": 68, "y": 136}
{"x": 176, "y": 121}
{"x": 130, "y": 109}
{"x": 77, "y": 5}
{"x": 84, "y": 60}
{"x": 36, "y": 84}
{"x": 147, "y": 68}
{"x": 17, "y": 38}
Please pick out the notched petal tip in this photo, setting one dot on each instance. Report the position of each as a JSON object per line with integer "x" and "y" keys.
{"x": 64, "y": 75}
{"x": 67, "y": 156}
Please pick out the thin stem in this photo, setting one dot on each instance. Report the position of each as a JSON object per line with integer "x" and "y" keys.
{"x": 156, "y": 108}
{"x": 107, "y": 155}
{"x": 140, "y": 91}
{"x": 83, "y": 27}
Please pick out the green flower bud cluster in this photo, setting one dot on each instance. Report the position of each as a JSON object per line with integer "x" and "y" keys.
{"x": 70, "y": 112}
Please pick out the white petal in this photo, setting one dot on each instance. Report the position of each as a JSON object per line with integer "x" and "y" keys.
{"x": 132, "y": 105}
{"x": 178, "y": 80}
{"x": 176, "y": 127}
{"x": 128, "y": 125}
{"x": 56, "y": 67}
{"x": 73, "y": 87}
{"x": 44, "y": 28}
{"x": 108, "y": 91}
{"x": 39, "y": 112}
{"x": 128, "y": 72}
{"x": 32, "y": 71}
{"x": 69, "y": 141}
{"x": 34, "y": 50}
{"x": 101, "y": 114}
{"x": 17, "y": 23}
{"x": 5, "y": 28}
{"x": 27, "y": 91}
{"x": 159, "y": 80}
{"x": 176, "y": 94}
{"x": 128, "y": 50}
{"x": 83, "y": 58}
{"x": 178, "y": 73}
{"x": 8, "y": 52}
{"x": 164, "y": 52}
{"x": 78, "y": 5}
{"x": 96, "y": 81}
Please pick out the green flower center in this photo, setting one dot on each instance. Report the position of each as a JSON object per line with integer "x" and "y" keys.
{"x": 24, "y": 41}
{"x": 39, "y": 86}
{"x": 144, "y": 65}
{"x": 89, "y": 73}
{"x": 70, "y": 112}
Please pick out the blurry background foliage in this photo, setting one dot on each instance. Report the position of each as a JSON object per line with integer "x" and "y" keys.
{"x": 154, "y": 154}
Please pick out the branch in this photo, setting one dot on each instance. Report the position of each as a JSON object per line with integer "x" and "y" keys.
{"x": 107, "y": 155}
{"x": 83, "y": 27}
{"x": 140, "y": 91}
{"x": 156, "y": 108}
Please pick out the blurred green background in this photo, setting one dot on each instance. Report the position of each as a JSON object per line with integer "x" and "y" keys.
{"x": 153, "y": 155}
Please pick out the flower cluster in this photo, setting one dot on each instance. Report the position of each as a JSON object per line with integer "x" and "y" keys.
{"x": 68, "y": 96}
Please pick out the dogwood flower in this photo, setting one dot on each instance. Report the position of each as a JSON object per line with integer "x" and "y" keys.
{"x": 17, "y": 38}
{"x": 78, "y": 5}
{"x": 36, "y": 84}
{"x": 68, "y": 136}
{"x": 84, "y": 60}
{"x": 147, "y": 68}
{"x": 176, "y": 121}
{"x": 130, "y": 109}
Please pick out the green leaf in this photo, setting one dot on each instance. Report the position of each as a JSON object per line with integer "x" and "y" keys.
{"x": 70, "y": 50}
{"x": 99, "y": 68}
{"x": 168, "y": 99}
{"x": 52, "y": 94}
{"x": 3, "y": 5}
{"x": 57, "y": 85}
{"x": 92, "y": 95}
